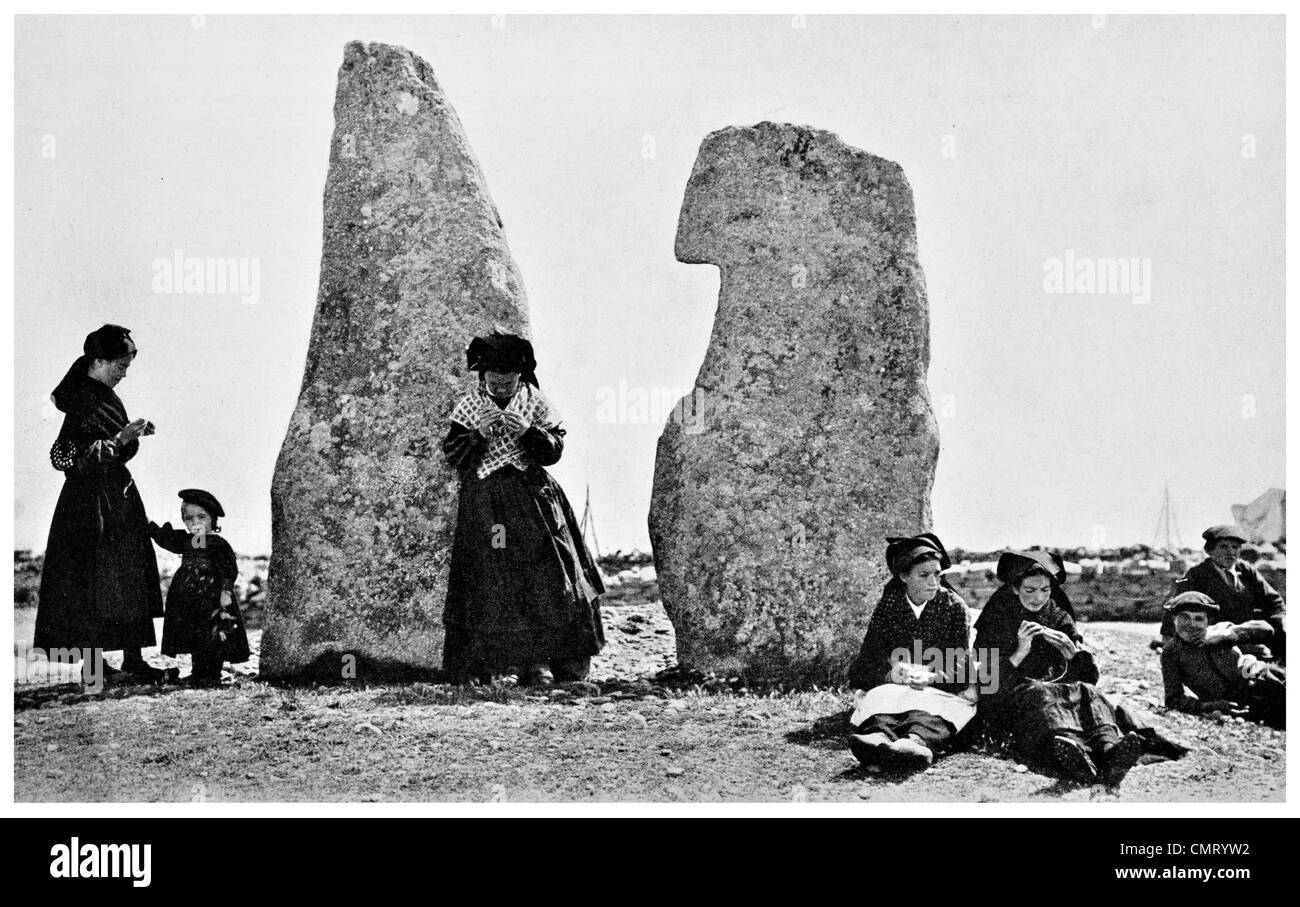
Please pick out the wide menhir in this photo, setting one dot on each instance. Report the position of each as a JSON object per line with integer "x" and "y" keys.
{"x": 809, "y": 436}
{"x": 414, "y": 263}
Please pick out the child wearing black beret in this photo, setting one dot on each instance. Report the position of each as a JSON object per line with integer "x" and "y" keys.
{"x": 202, "y": 618}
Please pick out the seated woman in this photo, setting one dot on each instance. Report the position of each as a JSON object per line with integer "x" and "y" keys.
{"x": 1045, "y": 698}
{"x": 910, "y": 686}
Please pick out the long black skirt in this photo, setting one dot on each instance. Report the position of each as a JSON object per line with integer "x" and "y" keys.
{"x": 99, "y": 582}
{"x": 1044, "y": 710}
{"x": 197, "y": 624}
{"x": 523, "y": 589}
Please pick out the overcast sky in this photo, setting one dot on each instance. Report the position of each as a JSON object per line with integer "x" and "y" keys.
{"x": 1061, "y": 415}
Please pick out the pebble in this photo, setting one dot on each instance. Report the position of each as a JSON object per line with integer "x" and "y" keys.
{"x": 608, "y": 707}
{"x": 367, "y": 726}
{"x": 864, "y": 793}
{"x": 637, "y": 719}
{"x": 1021, "y": 769}
{"x": 51, "y": 748}
{"x": 675, "y": 771}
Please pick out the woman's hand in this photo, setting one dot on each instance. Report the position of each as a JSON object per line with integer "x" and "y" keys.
{"x": 515, "y": 425}
{"x": 912, "y": 675}
{"x": 1025, "y": 640}
{"x": 921, "y": 678}
{"x": 488, "y": 422}
{"x": 133, "y": 430}
{"x": 1061, "y": 642}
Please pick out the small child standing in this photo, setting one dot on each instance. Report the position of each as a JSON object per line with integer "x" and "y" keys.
{"x": 1221, "y": 679}
{"x": 201, "y": 616}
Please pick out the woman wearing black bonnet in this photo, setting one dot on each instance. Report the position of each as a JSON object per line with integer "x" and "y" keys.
{"x": 522, "y": 593}
{"x": 99, "y": 584}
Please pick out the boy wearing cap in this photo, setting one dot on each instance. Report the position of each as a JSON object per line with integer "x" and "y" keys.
{"x": 1251, "y": 612}
{"x": 1218, "y": 675}
{"x": 202, "y": 618}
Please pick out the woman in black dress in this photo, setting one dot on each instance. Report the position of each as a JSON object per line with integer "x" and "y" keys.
{"x": 522, "y": 594}
{"x": 1046, "y": 699}
{"x": 99, "y": 583}
{"x": 912, "y": 680}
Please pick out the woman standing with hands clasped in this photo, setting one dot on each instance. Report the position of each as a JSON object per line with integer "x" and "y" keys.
{"x": 522, "y": 594}
{"x": 99, "y": 583}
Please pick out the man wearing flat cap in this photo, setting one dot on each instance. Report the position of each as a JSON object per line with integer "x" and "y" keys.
{"x": 1251, "y": 611}
{"x": 1205, "y": 678}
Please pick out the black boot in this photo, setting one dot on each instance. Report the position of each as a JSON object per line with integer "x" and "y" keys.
{"x": 1074, "y": 760}
{"x": 1121, "y": 757}
{"x": 207, "y": 670}
{"x": 137, "y": 669}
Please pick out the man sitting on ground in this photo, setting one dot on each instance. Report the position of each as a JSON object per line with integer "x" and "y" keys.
{"x": 1206, "y": 678}
{"x": 1247, "y": 602}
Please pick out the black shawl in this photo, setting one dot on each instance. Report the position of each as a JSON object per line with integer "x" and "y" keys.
{"x": 943, "y": 625}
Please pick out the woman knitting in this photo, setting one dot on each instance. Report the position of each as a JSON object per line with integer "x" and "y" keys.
{"x": 522, "y": 595}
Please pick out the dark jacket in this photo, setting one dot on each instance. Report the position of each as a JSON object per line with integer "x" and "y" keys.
{"x": 99, "y": 583}
{"x": 944, "y": 626}
{"x": 996, "y": 633}
{"x": 1209, "y": 672}
{"x": 196, "y": 620}
{"x": 1255, "y": 601}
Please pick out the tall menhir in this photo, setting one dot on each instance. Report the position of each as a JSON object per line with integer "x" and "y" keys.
{"x": 812, "y": 437}
{"x": 414, "y": 263}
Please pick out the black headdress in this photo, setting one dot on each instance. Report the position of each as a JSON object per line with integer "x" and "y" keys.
{"x": 902, "y": 553}
{"x": 1013, "y": 566}
{"x": 500, "y": 352}
{"x": 112, "y": 341}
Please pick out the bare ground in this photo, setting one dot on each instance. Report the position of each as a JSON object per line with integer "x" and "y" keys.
{"x": 632, "y": 739}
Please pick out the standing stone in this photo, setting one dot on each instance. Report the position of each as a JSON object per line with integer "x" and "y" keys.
{"x": 414, "y": 263}
{"x": 809, "y": 436}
